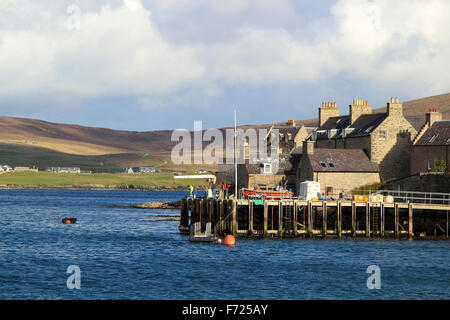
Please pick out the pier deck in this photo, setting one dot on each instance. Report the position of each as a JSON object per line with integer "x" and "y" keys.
{"x": 291, "y": 218}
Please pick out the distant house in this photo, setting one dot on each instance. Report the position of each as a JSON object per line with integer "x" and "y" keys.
{"x": 6, "y": 168}
{"x": 64, "y": 169}
{"x": 431, "y": 148}
{"x": 144, "y": 170}
{"x": 337, "y": 170}
{"x": 126, "y": 170}
{"x": 19, "y": 169}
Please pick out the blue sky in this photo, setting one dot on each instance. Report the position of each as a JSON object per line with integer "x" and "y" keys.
{"x": 149, "y": 65}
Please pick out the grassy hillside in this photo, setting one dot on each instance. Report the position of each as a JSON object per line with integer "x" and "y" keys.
{"x": 106, "y": 179}
{"x": 19, "y": 156}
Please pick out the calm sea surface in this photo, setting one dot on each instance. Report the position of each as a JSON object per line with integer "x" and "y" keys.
{"x": 121, "y": 256}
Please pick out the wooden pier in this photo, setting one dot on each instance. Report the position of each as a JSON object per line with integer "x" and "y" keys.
{"x": 318, "y": 219}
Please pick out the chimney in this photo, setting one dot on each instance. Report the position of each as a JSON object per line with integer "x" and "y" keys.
{"x": 395, "y": 108}
{"x": 432, "y": 116}
{"x": 358, "y": 108}
{"x": 308, "y": 147}
{"x": 328, "y": 110}
{"x": 290, "y": 123}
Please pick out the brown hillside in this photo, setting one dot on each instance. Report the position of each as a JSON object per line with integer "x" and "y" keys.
{"x": 80, "y": 140}
{"x": 75, "y": 139}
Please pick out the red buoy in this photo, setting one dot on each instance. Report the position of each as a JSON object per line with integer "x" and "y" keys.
{"x": 219, "y": 240}
{"x": 230, "y": 240}
{"x": 67, "y": 221}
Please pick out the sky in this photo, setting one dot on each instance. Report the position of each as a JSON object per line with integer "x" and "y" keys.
{"x": 145, "y": 65}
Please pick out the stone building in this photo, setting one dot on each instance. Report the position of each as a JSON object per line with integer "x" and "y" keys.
{"x": 290, "y": 136}
{"x": 337, "y": 170}
{"x": 431, "y": 146}
{"x": 386, "y": 138}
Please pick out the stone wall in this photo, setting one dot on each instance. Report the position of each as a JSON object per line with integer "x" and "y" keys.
{"x": 392, "y": 150}
{"x": 270, "y": 180}
{"x": 346, "y": 181}
{"x": 423, "y": 183}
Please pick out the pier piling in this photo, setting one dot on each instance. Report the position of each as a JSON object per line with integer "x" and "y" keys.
{"x": 301, "y": 218}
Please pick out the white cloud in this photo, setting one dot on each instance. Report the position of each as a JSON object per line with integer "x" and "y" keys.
{"x": 117, "y": 50}
{"x": 120, "y": 50}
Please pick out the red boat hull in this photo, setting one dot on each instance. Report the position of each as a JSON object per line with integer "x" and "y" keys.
{"x": 267, "y": 194}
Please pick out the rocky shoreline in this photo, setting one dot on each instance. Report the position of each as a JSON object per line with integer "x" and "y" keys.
{"x": 148, "y": 205}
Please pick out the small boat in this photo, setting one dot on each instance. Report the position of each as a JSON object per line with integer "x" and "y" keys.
{"x": 196, "y": 235}
{"x": 183, "y": 229}
{"x": 266, "y": 193}
{"x": 67, "y": 220}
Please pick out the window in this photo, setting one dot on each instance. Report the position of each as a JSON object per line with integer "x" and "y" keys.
{"x": 267, "y": 168}
{"x": 329, "y": 190}
{"x": 381, "y": 135}
{"x": 323, "y": 164}
{"x": 430, "y": 164}
{"x": 368, "y": 129}
{"x": 331, "y": 164}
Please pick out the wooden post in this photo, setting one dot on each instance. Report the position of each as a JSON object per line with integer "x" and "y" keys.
{"x": 447, "y": 225}
{"x": 234, "y": 226}
{"x": 396, "y": 215}
{"x": 353, "y": 219}
{"x": 310, "y": 233}
{"x": 382, "y": 220}
{"x": 295, "y": 218}
{"x": 410, "y": 221}
{"x": 280, "y": 218}
{"x": 339, "y": 219}
{"x": 266, "y": 218}
{"x": 250, "y": 217}
{"x": 324, "y": 219}
{"x": 367, "y": 220}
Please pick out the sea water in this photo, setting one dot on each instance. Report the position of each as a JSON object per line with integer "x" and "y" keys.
{"x": 122, "y": 255}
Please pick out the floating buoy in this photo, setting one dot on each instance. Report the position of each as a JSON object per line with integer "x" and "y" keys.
{"x": 219, "y": 240}
{"x": 230, "y": 240}
{"x": 68, "y": 220}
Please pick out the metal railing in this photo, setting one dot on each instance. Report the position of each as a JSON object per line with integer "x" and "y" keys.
{"x": 417, "y": 196}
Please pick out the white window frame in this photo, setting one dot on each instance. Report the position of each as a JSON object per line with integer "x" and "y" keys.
{"x": 269, "y": 166}
{"x": 382, "y": 135}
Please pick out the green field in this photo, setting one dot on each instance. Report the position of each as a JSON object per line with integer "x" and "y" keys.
{"x": 104, "y": 179}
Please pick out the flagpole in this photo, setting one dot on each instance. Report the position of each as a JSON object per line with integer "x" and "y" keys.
{"x": 235, "y": 159}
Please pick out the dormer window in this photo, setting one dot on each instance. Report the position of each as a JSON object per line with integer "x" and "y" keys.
{"x": 331, "y": 165}
{"x": 433, "y": 138}
{"x": 323, "y": 164}
{"x": 368, "y": 129}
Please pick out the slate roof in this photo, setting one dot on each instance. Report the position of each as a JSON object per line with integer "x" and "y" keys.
{"x": 437, "y": 135}
{"x": 363, "y": 126}
{"x": 344, "y": 160}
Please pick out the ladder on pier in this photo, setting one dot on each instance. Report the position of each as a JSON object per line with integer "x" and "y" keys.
{"x": 375, "y": 219}
{"x": 288, "y": 218}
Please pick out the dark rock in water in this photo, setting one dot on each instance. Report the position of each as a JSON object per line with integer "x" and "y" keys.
{"x": 149, "y": 205}
{"x": 67, "y": 220}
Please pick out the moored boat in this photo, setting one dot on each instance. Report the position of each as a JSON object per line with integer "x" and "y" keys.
{"x": 266, "y": 193}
